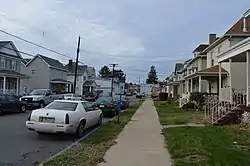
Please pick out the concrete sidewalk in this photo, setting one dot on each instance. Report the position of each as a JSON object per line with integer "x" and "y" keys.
{"x": 141, "y": 142}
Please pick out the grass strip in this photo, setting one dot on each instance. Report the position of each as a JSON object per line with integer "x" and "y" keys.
{"x": 91, "y": 150}
{"x": 170, "y": 114}
{"x": 208, "y": 146}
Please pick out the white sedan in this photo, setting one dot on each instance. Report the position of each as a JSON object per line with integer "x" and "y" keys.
{"x": 64, "y": 116}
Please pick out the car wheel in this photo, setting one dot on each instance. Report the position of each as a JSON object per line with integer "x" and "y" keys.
{"x": 100, "y": 120}
{"x": 23, "y": 108}
{"x": 41, "y": 105}
{"x": 80, "y": 129}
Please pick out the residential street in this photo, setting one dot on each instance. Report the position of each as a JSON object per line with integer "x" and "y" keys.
{"x": 23, "y": 147}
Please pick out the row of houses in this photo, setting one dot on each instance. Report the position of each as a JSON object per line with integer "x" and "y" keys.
{"x": 20, "y": 76}
{"x": 220, "y": 68}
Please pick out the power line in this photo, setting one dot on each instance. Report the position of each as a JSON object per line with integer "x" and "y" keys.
{"x": 30, "y": 42}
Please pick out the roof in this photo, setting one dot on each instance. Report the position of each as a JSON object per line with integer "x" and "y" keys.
{"x": 178, "y": 67}
{"x": 89, "y": 83}
{"x": 235, "y": 30}
{"x": 52, "y": 62}
{"x": 80, "y": 68}
{"x": 59, "y": 80}
{"x": 25, "y": 61}
{"x": 49, "y": 61}
{"x": 4, "y": 43}
{"x": 200, "y": 48}
{"x": 10, "y": 72}
{"x": 213, "y": 69}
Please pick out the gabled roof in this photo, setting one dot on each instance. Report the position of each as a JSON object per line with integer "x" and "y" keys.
{"x": 3, "y": 44}
{"x": 25, "y": 61}
{"x": 235, "y": 30}
{"x": 200, "y": 48}
{"x": 80, "y": 69}
{"x": 53, "y": 63}
{"x": 89, "y": 83}
{"x": 178, "y": 67}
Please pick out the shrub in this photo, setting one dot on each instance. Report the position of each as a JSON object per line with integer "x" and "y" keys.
{"x": 188, "y": 106}
{"x": 163, "y": 96}
{"x": 198, "y": 98}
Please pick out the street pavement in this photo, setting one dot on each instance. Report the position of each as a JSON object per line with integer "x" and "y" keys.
{"x": 24, "y": 148}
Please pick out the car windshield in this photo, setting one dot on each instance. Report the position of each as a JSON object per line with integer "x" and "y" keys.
{"x": 38, "y": 92}
{"x": 64, "y": 106}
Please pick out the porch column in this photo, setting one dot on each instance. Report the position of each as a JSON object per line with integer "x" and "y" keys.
{"x": 219, "y": 79}
{"x": 247, "y": 76}
{"x": 17, "y": 86}
{"x": 230, "y": 80}
{"x": 4, "y": 84}
{"x": 186, "y": 86}
{"x": 191, "y": 85}
{"x": 200, "y": 84}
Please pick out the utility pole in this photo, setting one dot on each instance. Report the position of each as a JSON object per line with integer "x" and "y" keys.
{"x": 112, "y": 78}
{"x": 76, "y": 66}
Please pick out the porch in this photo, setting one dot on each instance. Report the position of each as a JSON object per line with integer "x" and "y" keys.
{"x": 10, "y": 82}
{"x": 60, "y": 85}
{"x": 89, "y": 86}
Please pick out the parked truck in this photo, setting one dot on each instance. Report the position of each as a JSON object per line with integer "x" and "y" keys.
{"x": 40, "y": 98}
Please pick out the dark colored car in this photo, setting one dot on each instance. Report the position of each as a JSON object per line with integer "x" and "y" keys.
{"x": 91, "y": 96}
{"x": 10, "y": 103}
{"x": 124, "y": 102}
{"x": 107, "y": 105}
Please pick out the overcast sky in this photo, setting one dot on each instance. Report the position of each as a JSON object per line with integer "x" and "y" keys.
{"x": 133, "y": 33}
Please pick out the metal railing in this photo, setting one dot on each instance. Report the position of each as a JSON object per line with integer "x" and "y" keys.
{"x": 225, "y": 94}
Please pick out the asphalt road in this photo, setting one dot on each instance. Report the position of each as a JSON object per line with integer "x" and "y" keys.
{"x": 20, "y": 147}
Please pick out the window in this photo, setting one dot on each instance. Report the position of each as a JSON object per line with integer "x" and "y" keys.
{"x": 212, "y": 62}
{"x": 219, "y": 49}
{"x": 2, "y": 98}
{"x": 8, "y": 64}
{"x": 2, "y": 62}
{"x": 11, "y": 98}
{"x": 33, "y": 71}
{"x": 13, "y": 65}
{"x": 17, "y": 66}
{"x": 212, "y": 58}
{"x": 88, "y": 106}
{"x": 62, "y": 105}
{"x": 84, "y": 78}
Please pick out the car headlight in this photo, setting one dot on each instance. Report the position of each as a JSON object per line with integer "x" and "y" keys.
{"x": 36, "y": 99}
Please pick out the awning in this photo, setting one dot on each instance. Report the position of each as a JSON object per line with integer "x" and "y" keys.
{"x": 60, "y": 81}
{"x": 9, "y": 73}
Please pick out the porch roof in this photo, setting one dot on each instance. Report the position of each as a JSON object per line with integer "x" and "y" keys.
{"x": 10, "y": 73}
{"x": 89, "y": 83}
{"x": 60, "y": 81}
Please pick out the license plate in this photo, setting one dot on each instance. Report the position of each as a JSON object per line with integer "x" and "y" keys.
{"x": 47, "y": 119}
{"x": 101, "y": 106}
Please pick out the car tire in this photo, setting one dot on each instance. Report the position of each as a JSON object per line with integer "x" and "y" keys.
{"x": 41, "y": 104}
{"x": 80, "y": 129}
{"x": 100, "y": 120}
{"x": 23, "y": 108}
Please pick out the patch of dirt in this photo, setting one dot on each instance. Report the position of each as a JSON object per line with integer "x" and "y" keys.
{"x": 192, "y": 159}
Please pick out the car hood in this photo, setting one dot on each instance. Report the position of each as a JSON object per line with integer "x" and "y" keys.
{"x": 33, "y": 96}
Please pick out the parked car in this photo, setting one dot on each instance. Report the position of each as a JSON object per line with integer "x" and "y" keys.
{"x": 107, "y": 105}
{"x": 90, "y": 96}
{"x": 72, "y": 96}
{"x": 64, "y": 116}
{"x": 129, "y": 94}
{"x": 10, "y": 103}
{"x": 124, "y": 102}
{"x": 40, "y": 98}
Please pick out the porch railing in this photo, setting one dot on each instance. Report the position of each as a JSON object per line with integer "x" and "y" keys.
{"x": 225, "y": 94}
{"x": 12, "y": 91}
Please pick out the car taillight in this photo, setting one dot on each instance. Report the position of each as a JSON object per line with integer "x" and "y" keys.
{"x": 110, "y": 106}
{"x": 67, "y": 119}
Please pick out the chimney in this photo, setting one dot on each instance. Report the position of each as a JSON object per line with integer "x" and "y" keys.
{"x": 212, "y": 38}
{"x": 245, "y": 15}
{"x": 70, "y": 66}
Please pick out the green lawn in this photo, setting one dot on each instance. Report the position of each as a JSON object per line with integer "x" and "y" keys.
{"x": 170, "y": 114}
{"x": 91, "y": 150}
{"x": 215, "y": 146}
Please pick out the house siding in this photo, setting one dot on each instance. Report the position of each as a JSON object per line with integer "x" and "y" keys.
{"x": 39, "y": 75}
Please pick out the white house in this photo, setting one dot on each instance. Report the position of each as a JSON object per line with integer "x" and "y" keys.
{"x": 104, "y": 86}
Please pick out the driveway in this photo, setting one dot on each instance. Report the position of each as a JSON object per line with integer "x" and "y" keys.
{"x": 24, "y": 148}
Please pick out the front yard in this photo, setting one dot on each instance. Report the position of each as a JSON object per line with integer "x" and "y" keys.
{"x": 208, "y": 146}
{"x": 170, "y": 114}
{"x": 202, "y": 146}
{"x": 91, "y": 150}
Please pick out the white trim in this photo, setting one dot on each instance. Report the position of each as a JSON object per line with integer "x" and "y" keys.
{"x": 247, "y": 76}
{"x": 200, "y": 84}
{"x": 220, "y": 78}
{"x": 230, "y": 80}
{"x": 238, "y": 48}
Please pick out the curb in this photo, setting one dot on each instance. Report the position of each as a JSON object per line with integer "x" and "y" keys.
{"x": 69, "y": 147}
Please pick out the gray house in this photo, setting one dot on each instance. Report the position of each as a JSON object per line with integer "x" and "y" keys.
{"x": 10, "y": 64}
{"x": 44, "y": 72}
